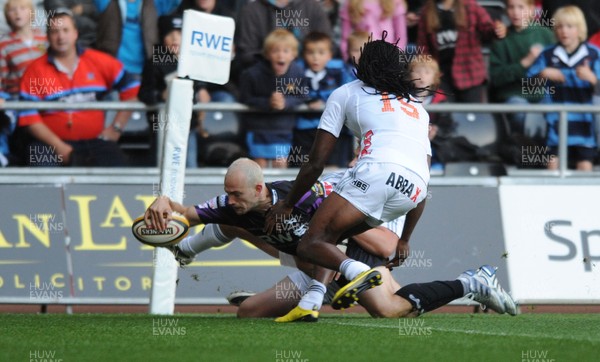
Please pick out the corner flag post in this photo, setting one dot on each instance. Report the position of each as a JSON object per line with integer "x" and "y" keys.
{"x": 205, "y": 55}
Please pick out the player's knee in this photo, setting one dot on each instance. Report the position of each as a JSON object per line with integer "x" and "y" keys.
{"x": 248, "y": 309}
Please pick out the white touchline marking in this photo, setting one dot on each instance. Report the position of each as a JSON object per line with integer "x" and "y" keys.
{"x": 467, "y": 331}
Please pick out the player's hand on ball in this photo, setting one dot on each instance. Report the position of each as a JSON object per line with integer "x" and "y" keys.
{"x": 402, "y": 252}
{"x": 158, "y": 214}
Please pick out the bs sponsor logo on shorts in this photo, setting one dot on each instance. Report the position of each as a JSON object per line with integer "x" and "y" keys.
{"x": 361, "y": 185}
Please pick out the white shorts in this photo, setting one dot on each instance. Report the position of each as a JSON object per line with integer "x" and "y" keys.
{"x": 381, "y": 191}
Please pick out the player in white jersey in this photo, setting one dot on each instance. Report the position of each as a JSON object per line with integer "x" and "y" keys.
{"x": 391, "y": 175}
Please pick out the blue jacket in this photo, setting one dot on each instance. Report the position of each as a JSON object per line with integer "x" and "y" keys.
{"x": 333, "y": 79}
{"x": 257, "y": 84}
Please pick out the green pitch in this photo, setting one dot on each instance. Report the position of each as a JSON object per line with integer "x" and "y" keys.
{"x": 213, "y": 337}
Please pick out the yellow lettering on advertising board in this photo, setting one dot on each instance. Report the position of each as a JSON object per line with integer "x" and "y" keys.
{"x": 42, "y": 235}
{"x": 3, "y": 242}
{"x": 87, "y": 242}
{"x": 54, "y": 280}
{"x": 117, "y": 210}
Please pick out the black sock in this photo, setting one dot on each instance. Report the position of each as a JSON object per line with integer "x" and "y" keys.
{"x": 426, "y": 297}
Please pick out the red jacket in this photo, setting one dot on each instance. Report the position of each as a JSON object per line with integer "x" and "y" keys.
{"x": 468, "y": 67}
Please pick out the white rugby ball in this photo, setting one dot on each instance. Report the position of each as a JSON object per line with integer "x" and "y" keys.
{"x": 177, "y": 228}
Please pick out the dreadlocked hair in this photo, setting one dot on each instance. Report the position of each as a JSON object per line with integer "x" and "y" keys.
{"x": 384, "y": 67}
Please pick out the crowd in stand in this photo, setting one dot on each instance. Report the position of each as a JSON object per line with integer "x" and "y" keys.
{"x": 289, "y": 54}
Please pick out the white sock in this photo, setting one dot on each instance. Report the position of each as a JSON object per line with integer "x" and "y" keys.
{"x": 210, "y": 236}
{"x": 351, "y": 268}
{"x": 301, "y": 281}
{"x": 313, "y": 299}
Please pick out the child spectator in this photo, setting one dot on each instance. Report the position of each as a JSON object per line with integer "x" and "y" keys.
{"x": 276, "y": 84}
{"x": 323, "y": 75}
{"x": 257, "y": 19}
{"x": 158, "y": 70}
{"x": 426, "y": 74}
{"x": 512, "y": 56}
{"x": 374, "y": 16}
{"x": 572, "y": 69}
{"x": 355, "y": 41}
{"x": 18, "y": 49}
{"x": 453, "y": 31}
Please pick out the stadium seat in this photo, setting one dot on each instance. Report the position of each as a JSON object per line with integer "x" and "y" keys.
{"x": 222, "y": 125}
{"x": 474, "y": 169}
{"x": 535, "y": 127}
{"x": 496, "y": 9}
{"x": 135, "y": 140}
{"x": 223, "y": 145}
{"x": 481, "y": 130}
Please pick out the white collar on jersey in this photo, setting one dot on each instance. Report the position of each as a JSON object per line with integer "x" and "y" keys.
{"x": 570, "y": 61}
{"x": 315, "y": 77}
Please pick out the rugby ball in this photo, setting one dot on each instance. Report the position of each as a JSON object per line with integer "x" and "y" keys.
{"x": 176, "y": 230}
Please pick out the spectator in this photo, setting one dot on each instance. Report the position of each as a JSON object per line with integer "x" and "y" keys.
{"x": 512, "y": 56}
{"x": 259, "y": 18}
{"x": 452, "y": 31}
{"x": 413, "y": 16}
{"x": 323, "y": 75}
{"x": 85, "y": 14}
{"x": 374, "y": 16}
{"x": 158, "y": 70}
{"x": 426, "y": 74}
{"x": 276, "y": 84}
{"x": 70, "y": 74}
{"x": 355, "y": 42}
{"x": 18, "y": 49}
{"x": 128, "y": 30}
{"x": 590, "y": 9}
{"x": 572, "y": 69}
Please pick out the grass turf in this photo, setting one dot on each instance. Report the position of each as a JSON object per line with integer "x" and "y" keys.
{"x": 211, "y": 337}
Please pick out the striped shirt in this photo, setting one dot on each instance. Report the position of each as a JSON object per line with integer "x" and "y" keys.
{"x": 573, "y": 91}
{"x": 15, "y": 56}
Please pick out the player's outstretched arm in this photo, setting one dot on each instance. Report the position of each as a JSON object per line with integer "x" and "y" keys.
{"x": 159, "y": 213}
{"x": 307, "y": 176}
